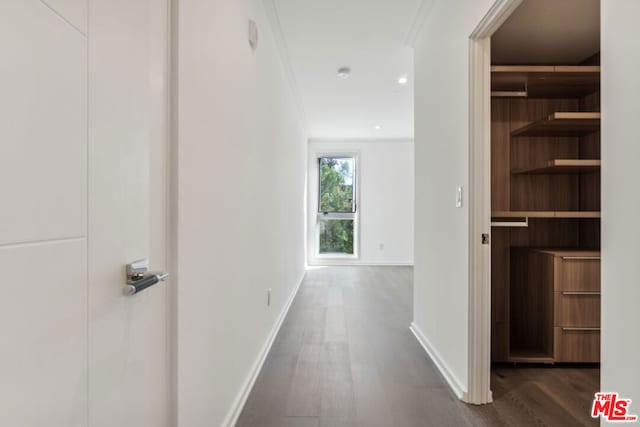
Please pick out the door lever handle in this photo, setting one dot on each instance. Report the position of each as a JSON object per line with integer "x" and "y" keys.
{"x": 139, "y": 279}
{"x": 134, "y": 287}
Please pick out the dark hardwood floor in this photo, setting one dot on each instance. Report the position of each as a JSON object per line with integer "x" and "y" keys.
{"x": 558, "y": 395}
{"x": 345, "y": 357}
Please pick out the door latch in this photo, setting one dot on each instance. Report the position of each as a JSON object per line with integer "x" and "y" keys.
{"x": 486, "y": 239}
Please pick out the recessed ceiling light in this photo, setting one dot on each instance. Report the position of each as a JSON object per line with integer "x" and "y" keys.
{"x": 377, "y": 127}
{"x": 403, "y": 80}
{"x": 344, "y": 72}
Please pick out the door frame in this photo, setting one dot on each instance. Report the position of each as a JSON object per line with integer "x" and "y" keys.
{"x": 479, "y": 360}
{"x": 163, "y": 182}
{"x": 172, "y": 207}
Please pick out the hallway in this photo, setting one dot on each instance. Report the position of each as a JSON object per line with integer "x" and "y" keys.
{"x": 338, "y": 213}
{"x": 345, "y": 357}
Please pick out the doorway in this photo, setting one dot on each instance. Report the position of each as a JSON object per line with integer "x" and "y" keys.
{"x": 535, "y": 150}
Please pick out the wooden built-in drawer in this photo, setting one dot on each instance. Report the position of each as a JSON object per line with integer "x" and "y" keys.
{"x": 577, "y": 272}
{"x": 574, "y": 344}
{"x": 577, "y": 308}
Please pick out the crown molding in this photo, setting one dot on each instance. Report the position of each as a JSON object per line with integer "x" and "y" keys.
{"x": 418, "y": 22}
{"x": 273, "y": 17}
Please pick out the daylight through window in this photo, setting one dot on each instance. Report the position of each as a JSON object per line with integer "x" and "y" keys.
{"x": 336, "y": 205}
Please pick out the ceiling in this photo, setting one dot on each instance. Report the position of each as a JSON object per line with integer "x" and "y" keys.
{"x": 368, "y": 36}
{"x": 548, "y": 32}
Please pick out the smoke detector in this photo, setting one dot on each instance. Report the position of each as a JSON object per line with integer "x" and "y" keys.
{"x": 344, "y": 73}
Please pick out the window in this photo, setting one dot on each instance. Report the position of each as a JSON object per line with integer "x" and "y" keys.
{"x": 336, "y": 236}
{"x": 337, "y": 205}
{"x": 337, "y": 185}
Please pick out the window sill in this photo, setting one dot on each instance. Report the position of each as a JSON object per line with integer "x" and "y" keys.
{"x": 337, "y": 256}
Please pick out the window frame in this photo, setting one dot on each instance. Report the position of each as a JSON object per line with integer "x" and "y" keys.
{"x": 332, "y": 216}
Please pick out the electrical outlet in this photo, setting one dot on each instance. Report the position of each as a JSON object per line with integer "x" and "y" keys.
{"x": 382, "y": 246}
{"x": 269, "y": 297}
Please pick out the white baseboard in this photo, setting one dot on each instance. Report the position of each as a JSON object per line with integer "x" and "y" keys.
{"x": 455, "y": 385}
{"x": 341, "y": 263}
{"x": 238, "y": 405}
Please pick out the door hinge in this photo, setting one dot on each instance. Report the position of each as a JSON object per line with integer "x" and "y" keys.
{"x": 486, "y": 239}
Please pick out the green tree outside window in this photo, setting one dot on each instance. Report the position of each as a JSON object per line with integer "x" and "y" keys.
{"x": 336, "y": 196}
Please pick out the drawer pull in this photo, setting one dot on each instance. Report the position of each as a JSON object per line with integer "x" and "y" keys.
{"x": 581, "y": 329}
{"x": 581, "y": 258}
{"x": 581, "y": 293}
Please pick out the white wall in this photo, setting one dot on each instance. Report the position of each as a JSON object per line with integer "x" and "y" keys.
{"x": 441, "y": 272}
{"x": 241, "y": 185}
{"x": 620, "y": 44}
{"x": 385, "y": 200}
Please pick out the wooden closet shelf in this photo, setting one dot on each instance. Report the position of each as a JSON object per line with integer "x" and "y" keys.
{"x": 561, "y": 166}
{"x": 561, "y": 124}
{"x": 545, "y": 214}
{"x": 571, "y": 253}
{"x": 547, "y": 81}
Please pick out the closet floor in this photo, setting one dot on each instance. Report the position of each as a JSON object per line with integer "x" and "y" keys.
{"x": 559, "y": 395}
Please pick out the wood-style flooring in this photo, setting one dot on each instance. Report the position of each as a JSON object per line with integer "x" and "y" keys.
{"x": 345, "y": 357}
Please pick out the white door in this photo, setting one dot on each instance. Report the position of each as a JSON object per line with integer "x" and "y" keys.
{"x": 77, "y": 84}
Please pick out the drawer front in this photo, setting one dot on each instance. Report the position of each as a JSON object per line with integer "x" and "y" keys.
{"x": 575, "y": 274}
{"x": 577, "y": 308}
{"x": 576, "y": 345}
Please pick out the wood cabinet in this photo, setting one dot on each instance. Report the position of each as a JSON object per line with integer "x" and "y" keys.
{"x": 545, "y": 183}
{"x": 576, "y": 345}
{"x": 577, "y": 309}
{"x": 555, "y": 306}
